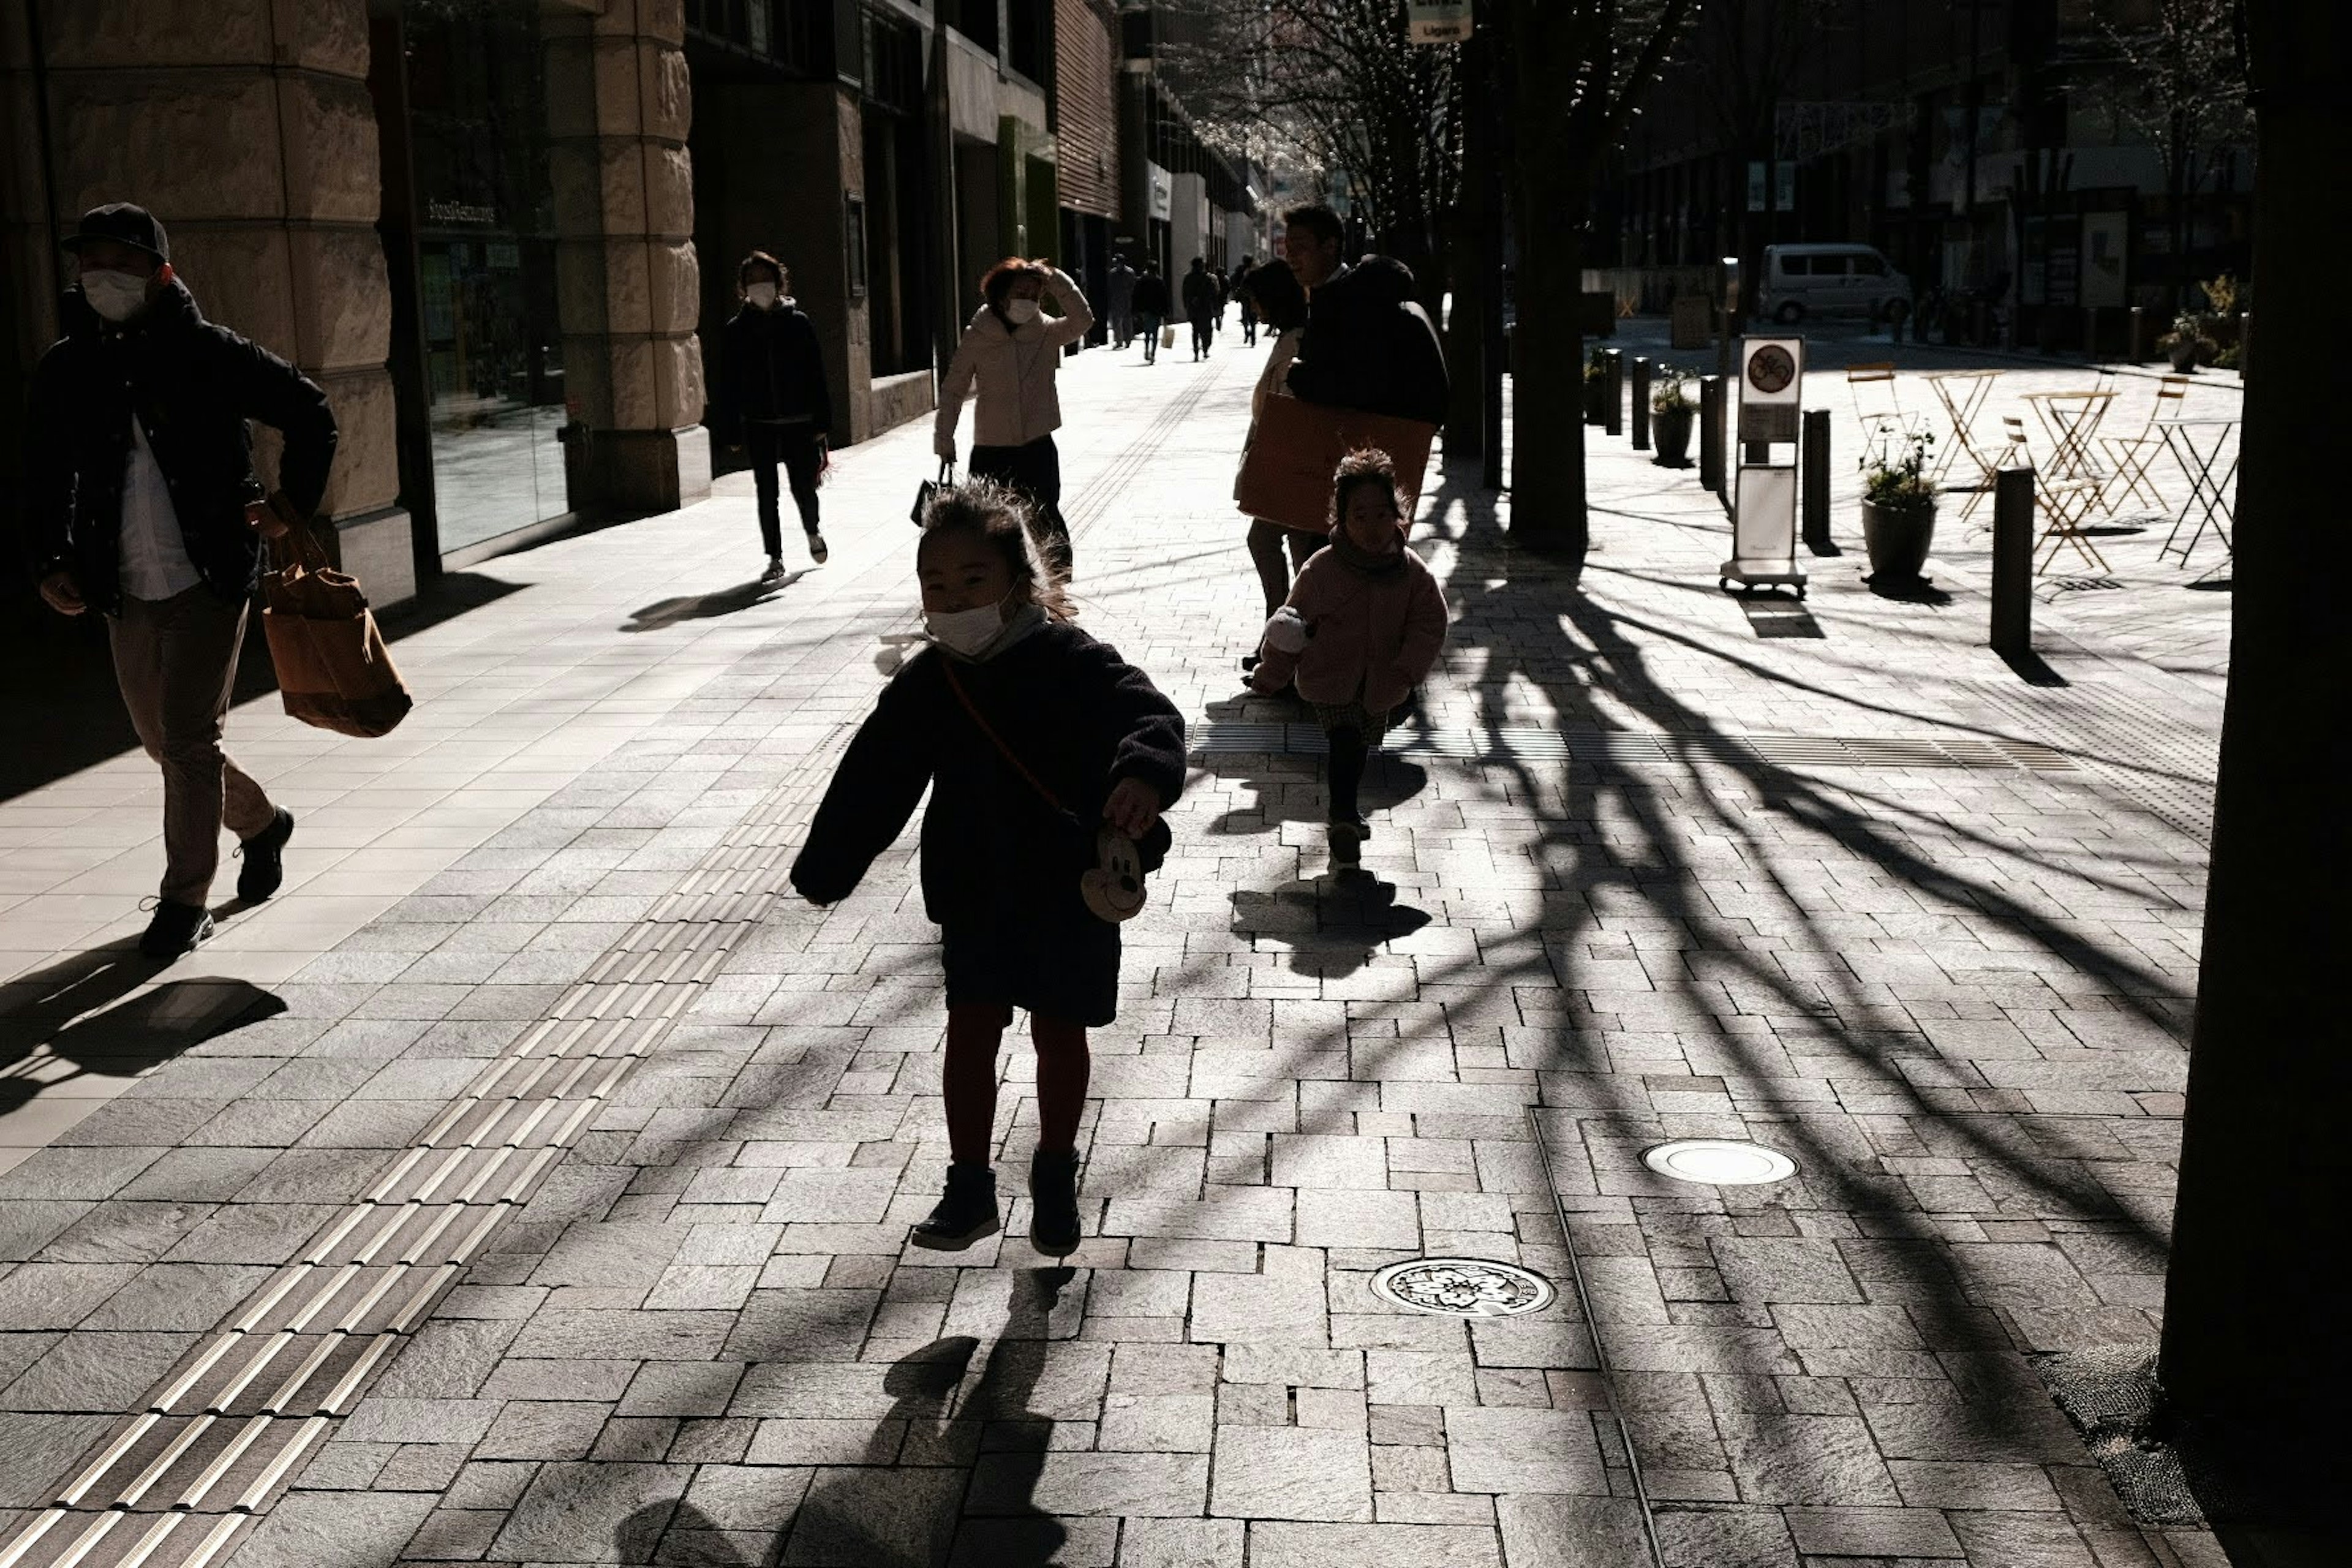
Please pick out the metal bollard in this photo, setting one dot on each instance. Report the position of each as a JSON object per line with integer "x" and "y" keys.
{"x": 1711, "y": 432}
{"x": 1815, "y": 482}
{"x": 2012, "y": 562}
{"x": 1641, "y": 403}
{"x": 1615, "y": 423}
{"x": 2136, "y": 350}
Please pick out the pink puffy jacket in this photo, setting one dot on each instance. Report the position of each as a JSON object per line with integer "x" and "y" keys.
{"x": 1372, "y": 636}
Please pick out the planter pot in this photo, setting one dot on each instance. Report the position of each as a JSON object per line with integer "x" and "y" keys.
{"x": 1596, "y": 402}
{"x": 1670, "y": 430}
{"x": 1898, "y": 542}
{"x": 2183, "y": 357}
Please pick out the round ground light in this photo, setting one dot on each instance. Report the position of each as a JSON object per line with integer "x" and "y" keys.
{"x": 1718, "y": 1162}
{"x": 1464, "y": 1287}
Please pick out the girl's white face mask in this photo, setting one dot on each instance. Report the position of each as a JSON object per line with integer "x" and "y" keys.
{"x": 1021, "y": 311}
{"x": 116, "y": 296}
{"x": 763, "y": 295}
{"x": 966, "y": 631}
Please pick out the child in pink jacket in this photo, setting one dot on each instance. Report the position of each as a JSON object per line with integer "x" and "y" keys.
{"x": 1361, "y": 628}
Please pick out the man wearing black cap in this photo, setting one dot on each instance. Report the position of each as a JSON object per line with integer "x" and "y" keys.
{"x": 142, "y": 504}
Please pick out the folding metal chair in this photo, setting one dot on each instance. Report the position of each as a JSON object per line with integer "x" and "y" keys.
{"x": 2064, "y": 501}
{"x": 1877, "y": 404}
{"x": 2132, "y": 456}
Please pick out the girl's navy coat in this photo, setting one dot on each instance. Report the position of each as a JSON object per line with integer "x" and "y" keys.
{"x": 999, "y": 868}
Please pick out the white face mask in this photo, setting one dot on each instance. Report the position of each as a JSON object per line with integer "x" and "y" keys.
{"x": 1021, "y": 311}
{"x": 763, "y": 295}
{"x": 116, "y": 296}
{"x": 966, "y": 631}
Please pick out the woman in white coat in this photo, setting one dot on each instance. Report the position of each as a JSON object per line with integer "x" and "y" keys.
{"x": 1011, "y": 352}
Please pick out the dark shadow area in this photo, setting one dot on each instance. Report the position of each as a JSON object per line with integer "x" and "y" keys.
{"x": 676, "y": 1535}
{"x": 664, "y": 613}
{"x": 1296, "y": 792}
{"x": 72, "y": 1010}
{"x": 2034, "y": 669}
{"x": 1774, "y": 616}
{"x": 1917, "y": 591}
{"x": 1332, "y": 926}
{"x": 445, "y": 598}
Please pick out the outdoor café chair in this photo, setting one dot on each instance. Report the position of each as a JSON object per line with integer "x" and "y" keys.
{"x": 2133, "y": 455}
{"x": 2065, "y": 501}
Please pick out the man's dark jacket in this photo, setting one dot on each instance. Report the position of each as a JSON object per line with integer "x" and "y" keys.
{"x": 1370, "y": 345}
{"x": 1201, "y": 295}
{"x": 1151, "y": 296}
{"x": 192, "y": 384}
{"x": 770, "y": 368}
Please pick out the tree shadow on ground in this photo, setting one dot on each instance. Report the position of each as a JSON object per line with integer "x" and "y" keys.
{"x": 666, "y": 613}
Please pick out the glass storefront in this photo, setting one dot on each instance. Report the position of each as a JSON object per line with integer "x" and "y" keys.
{"x": 485, "y": 259}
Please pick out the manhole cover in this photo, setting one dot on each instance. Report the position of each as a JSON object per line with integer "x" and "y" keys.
{"x": 1464, "y": 1287}
{"x": 1718, "y": 1162}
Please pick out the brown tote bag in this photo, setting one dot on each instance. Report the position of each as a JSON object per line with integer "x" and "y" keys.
{"x": 1285, "y": 475}
{"x": 333, "y": 671}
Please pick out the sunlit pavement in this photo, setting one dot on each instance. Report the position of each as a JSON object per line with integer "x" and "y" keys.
{"x": 529, "y": 1184}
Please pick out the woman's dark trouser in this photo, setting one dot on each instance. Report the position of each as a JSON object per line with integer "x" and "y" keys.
{"x": 1349, "y": 747}
{"x": 794, "y": 446}
{"x": 1203, "y": 328}
{"x": 1035, "y": 471}
{"x": 1266, "y": 539}
{"x": 1150, "y": 339}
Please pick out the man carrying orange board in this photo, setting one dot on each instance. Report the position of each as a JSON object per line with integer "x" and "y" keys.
{"x": 1370, "y": 373}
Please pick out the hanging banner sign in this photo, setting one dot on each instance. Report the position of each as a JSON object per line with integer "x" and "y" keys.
{"x": 1444, "y": 24}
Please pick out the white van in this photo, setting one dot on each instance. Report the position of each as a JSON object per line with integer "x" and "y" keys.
{"x": 1801, "y": 280}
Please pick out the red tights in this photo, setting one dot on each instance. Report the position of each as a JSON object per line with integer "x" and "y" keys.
{"x": 974, "y": 1031}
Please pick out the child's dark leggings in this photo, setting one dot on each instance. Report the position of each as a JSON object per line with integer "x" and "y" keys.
{"x": 1349, "y": 747}
{"x": 974, "y": 1031}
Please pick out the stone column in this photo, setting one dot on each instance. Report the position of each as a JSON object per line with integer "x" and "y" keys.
{"x": 619, "y": 104}
{"x": 245, "y": 126}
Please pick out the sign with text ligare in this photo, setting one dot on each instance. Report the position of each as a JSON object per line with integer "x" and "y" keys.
{"x": 1442, "y": 23}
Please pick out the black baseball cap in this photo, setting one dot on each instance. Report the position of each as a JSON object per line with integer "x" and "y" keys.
{"x": 125, "y": 225}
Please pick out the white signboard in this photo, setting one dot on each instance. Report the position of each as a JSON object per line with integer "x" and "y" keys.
{"x": 1444, "y": 24}
{"x": 1772, "y": 388}
{"x": 1163, "y": 192}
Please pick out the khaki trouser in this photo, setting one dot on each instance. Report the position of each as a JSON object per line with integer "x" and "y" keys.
{"x": 175, "y": 660}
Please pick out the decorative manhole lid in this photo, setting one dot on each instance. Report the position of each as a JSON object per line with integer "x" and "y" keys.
{"x": 1464, "y": 1287}
{"x": 1718, "y": 1162}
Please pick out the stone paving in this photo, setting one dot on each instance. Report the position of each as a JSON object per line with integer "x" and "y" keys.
{"x": 1955, "y": 995}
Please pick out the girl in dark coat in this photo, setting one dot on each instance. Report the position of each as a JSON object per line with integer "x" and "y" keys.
{"x": 1007, "y": 677}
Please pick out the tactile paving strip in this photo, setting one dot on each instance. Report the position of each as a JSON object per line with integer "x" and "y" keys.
{"x": 1612, "y": 748}
{"x": 177, "y": 1480}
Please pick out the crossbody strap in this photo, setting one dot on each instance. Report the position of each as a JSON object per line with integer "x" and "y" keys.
{"x": 948, "y": 670}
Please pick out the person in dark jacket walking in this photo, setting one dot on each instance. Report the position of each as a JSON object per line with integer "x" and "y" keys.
{"x": 773, "y": 402}
{"x": 1239, "y": 290}
{"x": 1369, "y": 344}
{"x": 1203, "y": 301}
{"x": 1152, "y": 305}
{"x": 1030, "y": 735}
{"x": 140, "y": 504}
{"x": 1122, "y": 302}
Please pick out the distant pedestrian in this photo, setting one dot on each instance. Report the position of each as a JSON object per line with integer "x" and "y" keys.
{"x": 1010, "y": 713}
{"x": 1278, "y": 293}
{"x": 141, "y": 502}
{"x": 1122, "y": 302}
{"x": 1245, "y": 303}
{"x": 1368, "y": 343}
{"x": 1224, "y": 294}
{"x": 1361, "y": 628}
{"x": 774, "y": 402}
{"x": 1011, "y": 352}
{"x": 1151, "y": 309}
{"x": 1201, "y": 304}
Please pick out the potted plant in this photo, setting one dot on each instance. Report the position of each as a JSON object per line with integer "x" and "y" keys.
{"x": 1596, "y": 387}
{"x": 1898, "y": 510}
{"x": 1673, "y": 410}
{"x": 2190, "y": 342}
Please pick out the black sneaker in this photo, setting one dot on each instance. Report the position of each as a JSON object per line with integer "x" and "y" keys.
{"x": 817, "y": 551}
{"x": 176, "y": 929}
{"x": 264, "y": 860}
{"x": 1054, "y": 1227}
{"x": 1347, "y": 845}
{"x": 965, "y": 1213}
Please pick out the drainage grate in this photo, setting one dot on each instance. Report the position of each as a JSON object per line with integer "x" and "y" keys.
{"x": 1464, "y": 1287}
{"x": 1618, "y": 748}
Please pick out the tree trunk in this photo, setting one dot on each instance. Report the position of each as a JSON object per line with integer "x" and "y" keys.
{"x": 1548, "y": 371}
{"x": 1465, "y": 332}
{"x": 2256, "y": 1366}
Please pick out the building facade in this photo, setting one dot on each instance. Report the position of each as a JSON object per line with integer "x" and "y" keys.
{"x": 1993, "y": 144}
{"x": 502, "y": 234}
